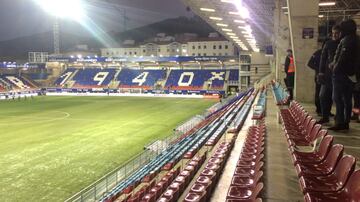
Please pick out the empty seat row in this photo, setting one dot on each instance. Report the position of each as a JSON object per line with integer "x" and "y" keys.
{"x": 205, "y": 183}
{"x": 246, "y": 182}
{"x": 260, "y": 106}
{"x": 168, "y": 158}
{"x": 325, "y": 173}
{"x": 280, "y": 94}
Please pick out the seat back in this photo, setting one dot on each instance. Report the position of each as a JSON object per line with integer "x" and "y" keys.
{"x": 335, "y": 153}
{"x": 352, "y": 187}
{"x": 258, "y": 176}
{"x": 325, "y": 146}
{"x": 257, "y": 190}
{"x": 313, "y": 132}
{"x": 344, "y": 169}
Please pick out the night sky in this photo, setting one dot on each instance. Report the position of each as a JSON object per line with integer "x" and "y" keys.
{"x": 24, "y": 17}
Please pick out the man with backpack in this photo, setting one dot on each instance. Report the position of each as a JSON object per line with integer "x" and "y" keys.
{"x": 314, "y": 63}
{"x": 344, "y": 72}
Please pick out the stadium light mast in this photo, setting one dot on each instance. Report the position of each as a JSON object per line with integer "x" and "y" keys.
{"x": 56, "y": 33}
{"x": 62, "y": 9}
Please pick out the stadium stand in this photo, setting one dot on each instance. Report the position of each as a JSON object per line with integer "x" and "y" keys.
{"x": 325, "y": 173}
{"x": 245, "y": 184}
{"x": 16, "y": 82}
{"x": 185, "y": 148}
{"x": 93, "y": 77}
{"x": 146, "y": 79}
{"x": 195, "y": 79}
{"x": 65, "y": 76}
{"x": 234, "y": 75}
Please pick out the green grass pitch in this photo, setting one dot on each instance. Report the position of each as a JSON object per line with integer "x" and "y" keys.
{"x": 52, "y": 147}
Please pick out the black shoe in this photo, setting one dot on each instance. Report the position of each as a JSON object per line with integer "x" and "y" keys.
{"x": 339, "y": 127}
{"x": 323, "y": 121}
{"x": 332, "y": 115}
{"x": 354, "y": 117}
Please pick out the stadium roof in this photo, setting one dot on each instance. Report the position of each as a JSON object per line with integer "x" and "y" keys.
{"x": 248, "y": 24}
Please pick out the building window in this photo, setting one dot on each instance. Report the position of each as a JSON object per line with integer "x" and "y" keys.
{"x": 214, "y": 54}
{"x": 159, "y": 50}
{"x": 204, "y": 46}
{"x": 130, "y": 53}
{"x": 135, "y": 53}
{"x": 199, "y": 47}
{"x": 167, "y": 50}
{"x": 144, "y": 51}
{"x": 193, "y": 47}
{"x": 226, "y": 46}
{"x": 214, "y": 47}
{"x": 220, "y": 54}
{"x": 204, "y": 54}
{"x": 226, "y": 54}
{"x": 107, "y": 53}
{"x": 125, "y": 53}
{"x": 220, "y": 46}
{"x": 193, "y": 54}
{"x": 199, "y": 54}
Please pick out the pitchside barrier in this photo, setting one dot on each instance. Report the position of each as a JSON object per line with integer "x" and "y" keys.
{"x": 96, "y": 190}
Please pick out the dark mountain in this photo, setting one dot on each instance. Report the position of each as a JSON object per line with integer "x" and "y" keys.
{"x": 19, "y": 48}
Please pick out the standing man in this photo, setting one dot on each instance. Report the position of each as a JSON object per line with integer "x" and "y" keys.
{"x": 325, "y": 74}
{"x": 290, "y": 73}
{"x": 344, "y": 69}
{"x": 314, "y": 63}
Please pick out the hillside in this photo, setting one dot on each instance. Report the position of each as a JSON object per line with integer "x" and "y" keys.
{"x": 18, "y": 48}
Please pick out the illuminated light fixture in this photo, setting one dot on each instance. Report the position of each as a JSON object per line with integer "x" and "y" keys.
{"x": 230, "y": 34}
{"x": 234, "y": 37}
{"x": 321, "y": 16}
{"x": 226, "y": 30}
{"x": 215, "y": 18}
{"x": 207, "y": 9}
{"x": 332, "y": 3}
{"x": 234, "y": 13}
{"x": 70, "y": 9}
{"x": 227, "y": 1}
{"x": 284, "y": 7}
{"x": 221, "y": 25}
{"x": 240, "y": 21}
{"x": 286, "y": 13}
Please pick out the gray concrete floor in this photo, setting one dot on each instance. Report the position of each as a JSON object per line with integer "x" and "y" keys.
{"x": 350, "y": 139}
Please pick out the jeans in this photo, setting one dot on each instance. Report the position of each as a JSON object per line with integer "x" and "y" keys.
{"x": 317, "y": 97}
{"x": 356, "y": 95}
{"x": 342, "y": 96}
{"x": 326, "y": 99}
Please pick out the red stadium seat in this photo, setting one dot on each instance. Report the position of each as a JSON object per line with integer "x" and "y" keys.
{"x": 333, "y": 182}
{"x": 351, "y": 192}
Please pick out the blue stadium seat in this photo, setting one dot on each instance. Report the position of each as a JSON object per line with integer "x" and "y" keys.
{"x": 131, "y": 78}
{"x": 15, "y": 82}
{"x": 65, "y": 76}
{"x": 94, "y": 77}
{"x": 195, "y": 79}
{"x": 234, "y": 75}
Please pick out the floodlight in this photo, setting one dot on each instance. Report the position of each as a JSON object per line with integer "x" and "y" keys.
{"x": 71, "y": 9}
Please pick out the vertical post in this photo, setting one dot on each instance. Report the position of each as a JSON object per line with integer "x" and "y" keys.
{"x": 56, "y": 32}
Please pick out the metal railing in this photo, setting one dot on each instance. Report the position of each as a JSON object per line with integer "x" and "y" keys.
{"x": 105, "y": 184}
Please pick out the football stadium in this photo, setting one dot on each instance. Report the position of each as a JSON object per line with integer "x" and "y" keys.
{"x": 221, "y": 101}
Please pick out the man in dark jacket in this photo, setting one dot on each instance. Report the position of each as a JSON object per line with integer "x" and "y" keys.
{"x": 325, "y": 74}
{"x": 314, "y": 64}
{"x": 343, "y": 68}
